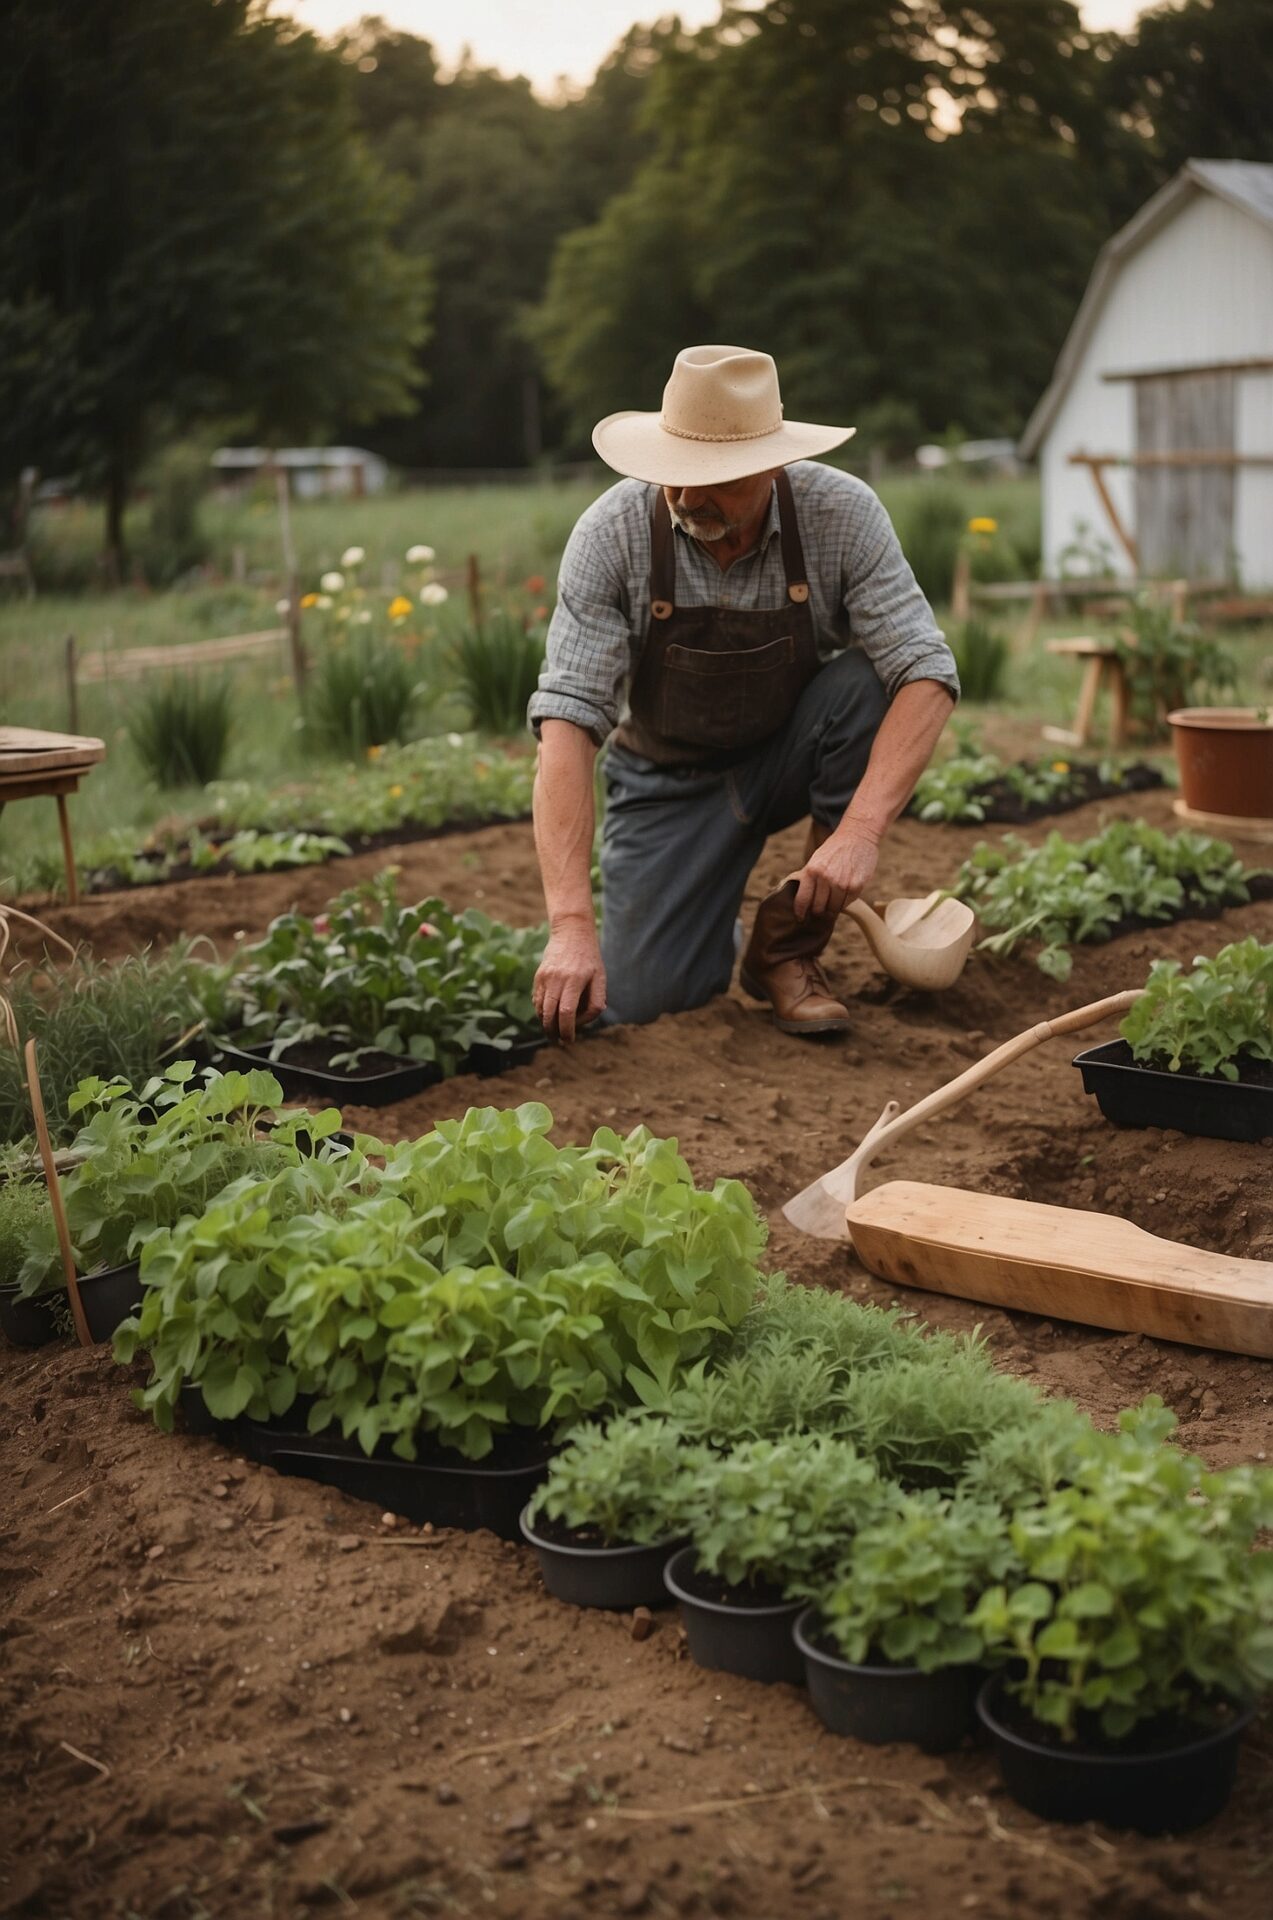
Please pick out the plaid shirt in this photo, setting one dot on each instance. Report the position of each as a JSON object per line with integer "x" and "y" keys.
{"x": 861, "y": 590}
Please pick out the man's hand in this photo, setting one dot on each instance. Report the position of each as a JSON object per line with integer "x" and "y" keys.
{"x": 570, "y": 986}
{"x": 840, "y": 869}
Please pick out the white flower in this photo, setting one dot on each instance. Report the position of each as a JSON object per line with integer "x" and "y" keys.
{"x": 332, "y": 582}
{"x": 362, "y": 619}
{"x": 419, "y": 556}
{"x": 322, "y": 601}
{"x": 455, "y": 739}
{"x": 433, "y": 595}
{"x": 352, "y": 557}
{"x": 282, "y": 606}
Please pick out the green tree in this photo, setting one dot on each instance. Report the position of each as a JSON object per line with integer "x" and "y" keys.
{"x": 187, "y": 198}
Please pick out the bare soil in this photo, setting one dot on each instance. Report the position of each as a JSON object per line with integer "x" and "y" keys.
{"x": 227, "y": 1694}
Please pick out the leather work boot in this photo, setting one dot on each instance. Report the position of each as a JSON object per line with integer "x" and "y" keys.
{"x": 781, "y": 966}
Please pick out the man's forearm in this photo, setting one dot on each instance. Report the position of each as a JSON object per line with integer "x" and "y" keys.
{"x": 903, "y": 747}
{"x": 565, "y": 817}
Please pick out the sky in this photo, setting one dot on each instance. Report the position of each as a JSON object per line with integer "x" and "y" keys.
{"x": 547, "y": 39}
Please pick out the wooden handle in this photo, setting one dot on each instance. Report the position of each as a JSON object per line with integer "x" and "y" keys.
{"x": 881, "y": 1136}
{"x": 83, "y": 1335}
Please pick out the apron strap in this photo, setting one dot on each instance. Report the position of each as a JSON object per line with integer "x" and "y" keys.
{"x": 792, "y": 546}
{"x": 662, "y": 559}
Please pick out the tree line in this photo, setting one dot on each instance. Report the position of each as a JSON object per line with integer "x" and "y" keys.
{"x": 206, "y": 215}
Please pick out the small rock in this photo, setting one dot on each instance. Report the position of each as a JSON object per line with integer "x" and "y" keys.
{"x": 678, "y": 1744}
{"x": 155, "y": 1552}
{"x": 389, "y": 1520}
{"x": 220, "y": 1491}
{"x": 224, "y": 1524}
{"x": 522, "y": 1821}
{"x": 446, "y": 1796}
{"x": 345, "y": 1716}
{"x": 642, "y": 1624}
{"x": 634, "y": 1898}
{"x": 348, "y": 1543}
{"x": 511, "y": 1859}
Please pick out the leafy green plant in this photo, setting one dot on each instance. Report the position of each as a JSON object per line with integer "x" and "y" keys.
{"x": 179, "y": 728}
{"x": 931, "y": 531}
{"x": 147, "y": 1159}
{"x": 1209, "y": 1021}
{"x": 417, "y": 981}
{"x": 924, "y": 1420}
{"x": 1064, "y": 892}
{"x": 481, "y": 1279}
{"x": 965, "y": 787}
{"x": 498, "y": 664}
{"x": 771, "y": 1512}
{"x": 981, "y": 656}
{"x": 621, "y": 1481}
{"x": 364, "y": 691}
{"x": 253, "y": 852}
{"x": 24, "y": 1209}
{"x": 908, "y": 1591}
{"x": 1137, "y": 1594}
{"x": 1026, "y": 1462}
{"x": 1166, "y": 662}
{"x": 107, "y": 1022}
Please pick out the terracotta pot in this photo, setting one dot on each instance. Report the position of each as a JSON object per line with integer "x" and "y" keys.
{"x": 1225, "y": 756}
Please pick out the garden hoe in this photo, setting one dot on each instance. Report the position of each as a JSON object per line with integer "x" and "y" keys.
{"x": 1026, "y": 1256}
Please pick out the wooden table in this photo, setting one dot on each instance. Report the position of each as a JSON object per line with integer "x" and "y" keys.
{"x": 33, "y": 763}
{"x": 1103, "y": 663}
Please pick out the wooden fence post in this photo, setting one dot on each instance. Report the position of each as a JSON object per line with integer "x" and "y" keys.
{"x": 475, "y": 591}
{"x": 961, "y": 586}
{"x": 291, "y": 583}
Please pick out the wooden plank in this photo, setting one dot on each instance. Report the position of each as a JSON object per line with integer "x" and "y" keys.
{"x": 30, "y": 750}
{"x": 130, "y": 662}
{"x": 1063, "y": 1263}
{"x": 1203, "y": 366}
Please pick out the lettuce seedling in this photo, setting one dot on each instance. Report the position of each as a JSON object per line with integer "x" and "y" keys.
{"x": 1208, "y": 1021}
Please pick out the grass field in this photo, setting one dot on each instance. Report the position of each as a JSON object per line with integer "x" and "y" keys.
{"x": 517, "y": 533}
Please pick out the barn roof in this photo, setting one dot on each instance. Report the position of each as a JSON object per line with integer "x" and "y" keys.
{"x": 1247, "y": 184}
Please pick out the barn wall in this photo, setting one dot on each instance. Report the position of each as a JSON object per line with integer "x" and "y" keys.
{"x": 1200, "y": 290}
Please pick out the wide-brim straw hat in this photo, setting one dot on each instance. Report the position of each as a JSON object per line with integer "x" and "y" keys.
{"x": 721, "y": 419}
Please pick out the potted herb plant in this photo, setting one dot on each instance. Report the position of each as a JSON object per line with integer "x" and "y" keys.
{"x": 761, "y": 1519}
{"x": 144, "y": 1161}
{"x": 1196, "y": 1051}
{"x": 607, "y": 1516}
{"x": 1135, "y": 1634}
{"x": 889, "y": 1643}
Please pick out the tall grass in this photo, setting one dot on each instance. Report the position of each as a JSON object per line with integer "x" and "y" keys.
{"x": 497, "y": 665}
{"x": 365, "y": 692}
{"x": 981, "y": 655}
{"x": 179, "y": 729}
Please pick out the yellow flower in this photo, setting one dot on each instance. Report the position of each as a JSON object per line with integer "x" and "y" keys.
{"x": 983, "y": 524}
{"x": 374, "y": 753}
{"x": 395, "y": 793}
{"x": 1060, "y": 766}
{"x": 309, "y": 599}
{"x": 399, "y": 607}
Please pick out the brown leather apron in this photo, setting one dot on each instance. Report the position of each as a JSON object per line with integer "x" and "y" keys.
{"x": 713, "y": 682}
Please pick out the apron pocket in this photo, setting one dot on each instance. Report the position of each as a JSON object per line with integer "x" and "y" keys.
{"x": 731, "y": 698}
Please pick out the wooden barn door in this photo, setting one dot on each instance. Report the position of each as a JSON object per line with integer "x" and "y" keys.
{"x": 1184, "y": 514}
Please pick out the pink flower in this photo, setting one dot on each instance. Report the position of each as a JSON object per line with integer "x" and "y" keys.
{"x": 427, "y": 930}
{"x": 321, "y": 923}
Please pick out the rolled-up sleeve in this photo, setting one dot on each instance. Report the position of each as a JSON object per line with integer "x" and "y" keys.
{"x": 589, "y": 656}
{"x": 890, "y": 618}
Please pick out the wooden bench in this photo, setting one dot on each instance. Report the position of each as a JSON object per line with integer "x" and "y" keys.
{"x": 34, "y": 764}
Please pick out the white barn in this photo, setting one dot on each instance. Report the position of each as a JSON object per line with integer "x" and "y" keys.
{"x": 1157, "y": 428}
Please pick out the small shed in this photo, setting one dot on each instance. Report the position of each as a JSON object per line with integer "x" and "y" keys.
{"x": 311, "y": 471}
{"x": 1156, "y": 433}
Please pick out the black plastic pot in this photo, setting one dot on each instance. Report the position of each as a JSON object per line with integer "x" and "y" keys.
{"x": 360, "y": 1089}
{"x": 1134, "y": 1096}
{"x": 444, "y": 1487}
{"x": 29, "y": 1322}
{"x": 109, "y": 1296}
{"x": 487, "y": 1060}
{"x": 1170, "y": 1790}
{"x": 614, "y": 1577}
{"x": 195, "y": 1417}
{"x": 755, "y": 1641}
{"x": 934, "y": 1711}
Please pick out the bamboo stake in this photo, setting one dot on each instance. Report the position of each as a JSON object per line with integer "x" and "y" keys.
{"x": 55, "y": 1198}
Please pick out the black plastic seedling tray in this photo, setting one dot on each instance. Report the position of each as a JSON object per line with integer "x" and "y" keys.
{"x": 361, "y": 1090}
{"x": 1134, "y": 1096}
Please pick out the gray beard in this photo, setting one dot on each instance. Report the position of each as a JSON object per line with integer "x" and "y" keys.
{"x": 709, "y": 530}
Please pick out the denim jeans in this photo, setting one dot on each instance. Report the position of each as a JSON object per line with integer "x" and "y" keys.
{"x": 677, "y": 847}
